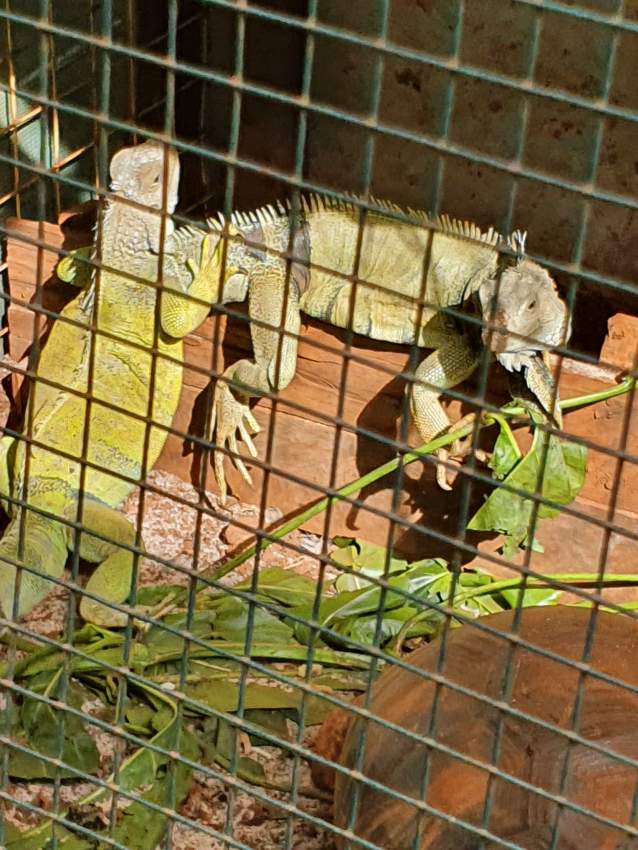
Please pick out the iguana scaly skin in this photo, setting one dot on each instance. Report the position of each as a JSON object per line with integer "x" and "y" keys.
{"x": 520, "y": 302}
{"x": 121, "y": 302}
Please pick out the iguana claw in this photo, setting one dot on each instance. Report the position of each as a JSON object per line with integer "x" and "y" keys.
{"x": 229, "y": 416}
{"x": 208, "y": 259}
{"x": 441, "y": 469}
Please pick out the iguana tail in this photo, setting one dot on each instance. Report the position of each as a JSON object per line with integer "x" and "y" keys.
{"x": 39, "y": 546}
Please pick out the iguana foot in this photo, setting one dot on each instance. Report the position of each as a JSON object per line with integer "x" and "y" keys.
{"x": 458, "y": 451}
{"x": 74, "y": 271}
{"x": 229, "y": 416}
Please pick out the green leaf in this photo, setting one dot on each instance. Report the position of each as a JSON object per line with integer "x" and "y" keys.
{"x": 564, "y": 475}
{"x": 161, "y": 643}
{"x": 506, "y": 452}
{"x": 352, "y": 681}
{"x": 89, "y": 638}
{"x": 28, "y": 766}
{"x": 142, "y": 766}
{"x": 283, "y": 586}
{"x": 423, "y": 579}
{"x": 231, "y": 622}
{"x": 40, "y": 837}
{"x": 273, "y": 722}
{"x": 52, "y": 732}
{"x": 137, "y": 659}
{"x": 218, "y": 748}
{"x": 149, "y": 597}
{"x": 226, "y": 741}
{"x": 139, "y": 718}
{"x": 142, "y": 828}
{"x": 220, "y": 668}
{"x": 366, "y": 558}
{"x": 535, "y": 596}
{"x": 364, "y": 629}
{"x": 224, "y": 696}
{"x": 478, "y": 606}
{"x": 138, "y": 827}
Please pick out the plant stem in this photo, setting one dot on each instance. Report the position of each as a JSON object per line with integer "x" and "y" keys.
{"x": 266, "y": 539}
{"x": 531, "y": 583}
{"x": 582, "y": 400}
{"x": 343, "y": 492}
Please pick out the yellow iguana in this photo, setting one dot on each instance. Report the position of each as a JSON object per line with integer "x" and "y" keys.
{"x": 516, "y": 297}
{"x": 120, "y": 301}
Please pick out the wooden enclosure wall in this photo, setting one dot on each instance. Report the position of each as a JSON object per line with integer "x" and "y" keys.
{"x": 305, "y": 438}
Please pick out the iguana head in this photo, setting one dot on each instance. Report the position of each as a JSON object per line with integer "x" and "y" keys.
{"x": 523, "y": 314}
{"x": 144, "y": 180}
{"x": 138, "y": 173}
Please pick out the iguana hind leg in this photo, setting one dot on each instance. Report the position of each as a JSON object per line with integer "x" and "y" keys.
{"x": 44, "y": 549}
{"x": 111, "y": 580}
{"x": 444, "y": 368}
{"x": 275, "y": 350}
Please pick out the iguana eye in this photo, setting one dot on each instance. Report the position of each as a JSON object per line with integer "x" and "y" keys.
{"x": 156, "y": 180}
{"x": 531, "y": 305}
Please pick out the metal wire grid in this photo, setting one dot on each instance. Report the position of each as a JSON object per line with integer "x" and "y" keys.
{"x": 102, "y": 44}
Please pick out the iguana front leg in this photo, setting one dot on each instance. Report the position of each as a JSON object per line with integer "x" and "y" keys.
{"x": 77, "y": 273}
{"x": 274, "y": 304}
{"x": 444, "y": 368}
{"x": 185, "y": 301}
{"x": 185, "y": 305}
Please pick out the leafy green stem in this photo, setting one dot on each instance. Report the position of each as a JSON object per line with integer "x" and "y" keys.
{"x": 391, "y": 466}
{"x": 547, "y": 581}
{"x": 581, "y": 400}
{"x": 342, "y": 493}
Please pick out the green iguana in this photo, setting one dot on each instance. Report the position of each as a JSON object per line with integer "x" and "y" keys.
{"x": 111, "y": 364}
{"x": 517, "y": 298}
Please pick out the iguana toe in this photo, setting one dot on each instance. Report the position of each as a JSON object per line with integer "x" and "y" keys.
{"x": 462, "y": 449}
{"x": 246, "y": 435}
{"x": 231, "y": 416}
{"x": 220, "y": 478}
{"x": 441, "y": 469}
{"x": 239, "y": 463}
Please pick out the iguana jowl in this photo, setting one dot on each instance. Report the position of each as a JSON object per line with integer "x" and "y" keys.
{"x": 120, "y": 300}
{"x": 374, "y": 288}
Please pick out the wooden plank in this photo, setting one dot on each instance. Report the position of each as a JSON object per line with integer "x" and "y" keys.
{"x": 305, "y": 436}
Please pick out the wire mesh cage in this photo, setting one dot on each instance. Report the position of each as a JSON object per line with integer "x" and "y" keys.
{"x": 347, "y": 652}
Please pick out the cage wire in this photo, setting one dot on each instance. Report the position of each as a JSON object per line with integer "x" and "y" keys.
{"x": 516, "y": 114}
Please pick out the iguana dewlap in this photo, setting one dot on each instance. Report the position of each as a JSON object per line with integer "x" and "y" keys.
{"x": 114, "y": 367}
{"x": 366, "y": 272}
